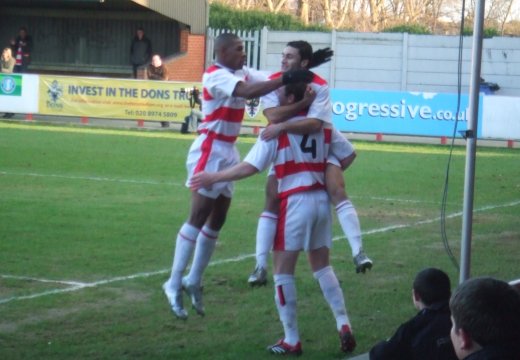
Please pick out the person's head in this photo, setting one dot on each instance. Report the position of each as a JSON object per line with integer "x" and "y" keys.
{"x": 292, "y": 93}
{"x": 484, "y": 312}
{"x": 296, "y": 55}
{"x": 431, "y": 286}
{"x": 156, "y": 60}
{"x": 139, "y": 33}
{"x": 22, "y": 32}
{"x": 7, "y": 53}
{"x": 229, "y": 51}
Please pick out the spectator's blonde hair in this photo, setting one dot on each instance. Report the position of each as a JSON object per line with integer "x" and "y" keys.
{"x": 7, "y": 50}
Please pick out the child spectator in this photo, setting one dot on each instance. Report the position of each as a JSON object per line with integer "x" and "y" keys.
{"x": 427, "y": 335}
{"x": 486, "y": 320}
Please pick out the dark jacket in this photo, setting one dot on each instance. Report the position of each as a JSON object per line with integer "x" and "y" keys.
{"x": 140, "y": 51}
{"x": 503, "y": 352}
{"x": 27, "y": 45}
{"x": 426, "y": 337}
{"x": 157, "y": 73}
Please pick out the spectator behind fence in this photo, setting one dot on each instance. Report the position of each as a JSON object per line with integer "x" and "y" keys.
{"x": 486, "y": 320}
{"x": 7, "y": 65}
{"x": 140, "y": 50}
{"x": 157, "y": 71}
{"x": 427, "y": 335}
{"x": 22, "y": 48}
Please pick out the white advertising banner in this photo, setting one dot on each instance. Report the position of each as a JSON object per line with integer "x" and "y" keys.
{"x": 501, "y": 117}
{"x": 19, "y": 93}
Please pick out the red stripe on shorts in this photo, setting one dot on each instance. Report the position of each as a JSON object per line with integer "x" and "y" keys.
{"x": 279, "y": 240}
{"x": 205, "y": 148}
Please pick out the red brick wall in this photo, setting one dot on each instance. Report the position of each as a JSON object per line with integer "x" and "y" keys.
{"x": 189, "y": 65}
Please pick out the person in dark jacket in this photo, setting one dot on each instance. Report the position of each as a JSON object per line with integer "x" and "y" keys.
{"x": 486, "y": 320}
{"x": 427, "y": 335}
{"x": 140, "y": 50}
{"x": 21, "y": 47}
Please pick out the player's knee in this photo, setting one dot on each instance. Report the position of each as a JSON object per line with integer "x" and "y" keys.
{"x": 216, "y": 222}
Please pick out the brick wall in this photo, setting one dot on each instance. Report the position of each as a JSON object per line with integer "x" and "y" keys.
{"x": 189, "y": 65}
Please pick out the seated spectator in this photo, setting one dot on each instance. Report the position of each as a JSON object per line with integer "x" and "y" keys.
{"x": 157, "y": 71}
{"x": 486, "y": 320}
{"x": 427, "y": 335}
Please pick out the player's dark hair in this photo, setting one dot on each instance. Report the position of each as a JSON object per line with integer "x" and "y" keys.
{"x": 304, "y": 49}
{"x": 488, "y": 310}
{"x": 432, "y": 285}
{"x": 316, "y": 58}
{"x": 224, "y": 40}
{"x": 296, "y": 89}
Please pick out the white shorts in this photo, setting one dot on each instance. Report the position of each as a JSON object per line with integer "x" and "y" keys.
{"x": 208, "y": 154}
{"x": 304, "y": 222}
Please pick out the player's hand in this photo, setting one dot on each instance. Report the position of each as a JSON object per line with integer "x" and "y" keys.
{"x": 297, "y": 76}
{"x": 201, "y": 180}
{"x": 271, "y": 132}
{"x": 309, "y": 96}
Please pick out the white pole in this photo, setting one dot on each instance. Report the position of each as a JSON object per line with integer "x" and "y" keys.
{"x": 471, "y": 145}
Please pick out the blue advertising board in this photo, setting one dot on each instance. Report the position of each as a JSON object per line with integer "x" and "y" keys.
{"x": 403, "y": 113}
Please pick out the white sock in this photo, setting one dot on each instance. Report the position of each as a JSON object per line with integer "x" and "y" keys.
{"x": 265, "y": 234}
{"x": 285, "y": 299}
{"x": 331, "y": 290}
{"x": 184, "y": 246}
{"x": 206, "y": 242}
{"x": 349, "y": 221}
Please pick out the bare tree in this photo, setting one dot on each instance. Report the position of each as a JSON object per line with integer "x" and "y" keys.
{"x": 275, "y": 6}
{"x": 375, "y": 15}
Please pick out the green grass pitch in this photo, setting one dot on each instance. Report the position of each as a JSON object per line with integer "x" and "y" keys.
{"x": 88, "y": 219}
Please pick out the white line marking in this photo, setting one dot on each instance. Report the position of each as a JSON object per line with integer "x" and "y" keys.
{"x": 79, "y": 285}
{"x": 73, "y": 283}
{"x": 162, "y": 183}
{"x": 92, "y": 178}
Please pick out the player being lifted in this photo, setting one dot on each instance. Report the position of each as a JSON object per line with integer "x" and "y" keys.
{"x": 299, "y": 163}
{"x": 299, "y": 55}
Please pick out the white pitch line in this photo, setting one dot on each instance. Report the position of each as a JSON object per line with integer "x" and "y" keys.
{"x": 92, "y": 178}
{"x": 79, "y": 285}
{"x": 73, "y": 283}
{"x": 162, "y": 183}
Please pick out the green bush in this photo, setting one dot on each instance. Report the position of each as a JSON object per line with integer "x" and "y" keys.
{"x": 223, "y": 17}
{"x": 487, "y": 32}
{"x": 409, "y": 28}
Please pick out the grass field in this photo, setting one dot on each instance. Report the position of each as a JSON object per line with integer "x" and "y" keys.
{"x": 88, "y": 219}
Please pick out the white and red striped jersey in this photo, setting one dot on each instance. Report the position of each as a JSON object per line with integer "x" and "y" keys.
{"x": 223, "y": 113}
{"x": 321, "y": 107}
{"x": 299, "y": 160}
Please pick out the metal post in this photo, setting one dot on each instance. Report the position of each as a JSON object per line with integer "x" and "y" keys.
{"x": 471, "y": 145}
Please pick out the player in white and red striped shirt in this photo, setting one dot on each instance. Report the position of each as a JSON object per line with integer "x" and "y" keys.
{"x": 226, "y": 85}
{"x": 298, "y": 55}
{"x": 304, "y": 223}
